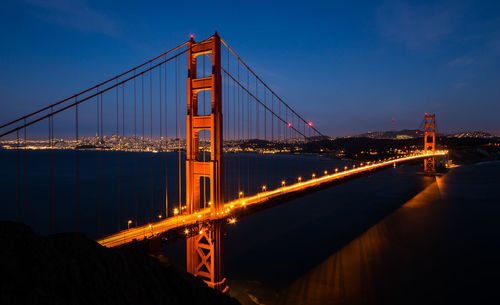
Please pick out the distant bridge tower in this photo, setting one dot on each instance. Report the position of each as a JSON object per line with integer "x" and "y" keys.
{"x": 205, "y": 250}
{"x": 430, "y": 142}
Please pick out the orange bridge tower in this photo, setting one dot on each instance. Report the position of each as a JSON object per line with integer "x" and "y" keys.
{"x": 430, "y": 142}
{"x": 205, "y": 250}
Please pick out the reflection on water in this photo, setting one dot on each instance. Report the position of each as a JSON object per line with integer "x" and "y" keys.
{"x": 440, "y": 247}
{"x": 353, "y": 274}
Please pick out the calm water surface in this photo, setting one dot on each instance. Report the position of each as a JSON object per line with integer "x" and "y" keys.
{"x": 394, "y": 237}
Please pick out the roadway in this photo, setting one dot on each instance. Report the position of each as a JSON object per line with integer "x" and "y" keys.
{"x": 233, "y": 208}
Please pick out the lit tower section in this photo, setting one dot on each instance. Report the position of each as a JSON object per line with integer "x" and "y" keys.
{"x": 205, "y": 249}
{"x": 430, "y": 142}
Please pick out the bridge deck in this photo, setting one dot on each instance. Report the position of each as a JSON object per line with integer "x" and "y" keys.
{"x": 233, "y": 208}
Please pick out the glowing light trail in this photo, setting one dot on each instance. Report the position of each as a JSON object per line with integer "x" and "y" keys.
{"x": 232, "y": 208}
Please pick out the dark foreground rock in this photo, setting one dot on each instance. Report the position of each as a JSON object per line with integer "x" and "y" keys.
{"x": 70, "y": 268}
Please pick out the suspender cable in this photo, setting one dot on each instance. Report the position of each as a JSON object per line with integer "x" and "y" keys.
{"x": 228, "y": 105}
{"x": 25, "y": 176}
{"x": 18, "y": 153}
{"x": 117, "y": 162}
{"x": 143, "y": 149}
{"x": 265, "y": 139}
{"x": 161, "y": 131}
{"x": 136, "y": 205}
{"x": 151, "y": 141}
{"x": 177, "y": 131}
{"x": 51, "y": 172}
{"x": 77, "y": 171}
{"x": 234, "y": 136}
{"x": 98, "y": 165}
{"x": 257, "y": 136}
{"x": 248, "y": 132}
{"x": 166, "y": 145}
{"x": 160, "y": 114}
{"x": 239, "y": 137}
{"x": 123, "y": 205}
{"x": 101, "y": 167}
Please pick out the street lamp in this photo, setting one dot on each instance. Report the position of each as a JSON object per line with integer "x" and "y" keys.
{"x": 129, "y": 223}
{"x": 264, "y": 188}
{"x": 336, "y": 170}
{"x": 159, "y": 216}
{"x": 300, "y": 178}
{"x": 314, "y": 175}
{"x": 176, "y": 211}
{"x": 283, "y": 183}
{"x": 240, "y": 194}
{"x": 326, "y": 172}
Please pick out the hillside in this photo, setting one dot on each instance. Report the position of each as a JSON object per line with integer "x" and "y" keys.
{"x": 70, "y": 268}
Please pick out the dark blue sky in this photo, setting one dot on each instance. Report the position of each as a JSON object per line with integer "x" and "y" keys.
{"x": 350, "y": 68}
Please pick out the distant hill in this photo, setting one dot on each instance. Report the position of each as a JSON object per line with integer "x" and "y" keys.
{"x": 415, "y": 133}
{"x": 401, "y": 134}
{"x": 472, "y": 134}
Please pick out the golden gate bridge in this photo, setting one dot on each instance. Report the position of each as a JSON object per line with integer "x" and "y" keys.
{"x": 229, "y": 109}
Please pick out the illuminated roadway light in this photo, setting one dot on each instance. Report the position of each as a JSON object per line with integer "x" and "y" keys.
{"x": 186, "y": 231}
{"x": 300, "y": 179}
{"x": 336, "y": 170}
{"x": 283, "y": 183}
{"x": 264, "y": 188}
{"x": 326, "y": 172}
{"x": 201, "y": 232}
{"x": 313, "y": 175}
{"x": 176, "y": 211}
{"x": 159, "y": 216}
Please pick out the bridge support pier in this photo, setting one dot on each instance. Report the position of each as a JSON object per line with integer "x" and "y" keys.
{"x": 204, "y": 250}
{"x": 205, "y": 257}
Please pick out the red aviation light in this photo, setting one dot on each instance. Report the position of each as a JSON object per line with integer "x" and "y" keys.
{"x": 289, "y": 124}
{"x": 191, "y": 36}
{"x": 310, "y": 124}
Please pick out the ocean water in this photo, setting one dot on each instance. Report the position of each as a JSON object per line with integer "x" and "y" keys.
{"x": 115, "y": 187}
{"x": 395, "y": 237}
{"x": 391, "y": 238}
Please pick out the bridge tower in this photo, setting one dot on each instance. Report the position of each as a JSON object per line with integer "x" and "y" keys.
{"x": 205, "y": 250}
{"x": 430, "y": 142}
